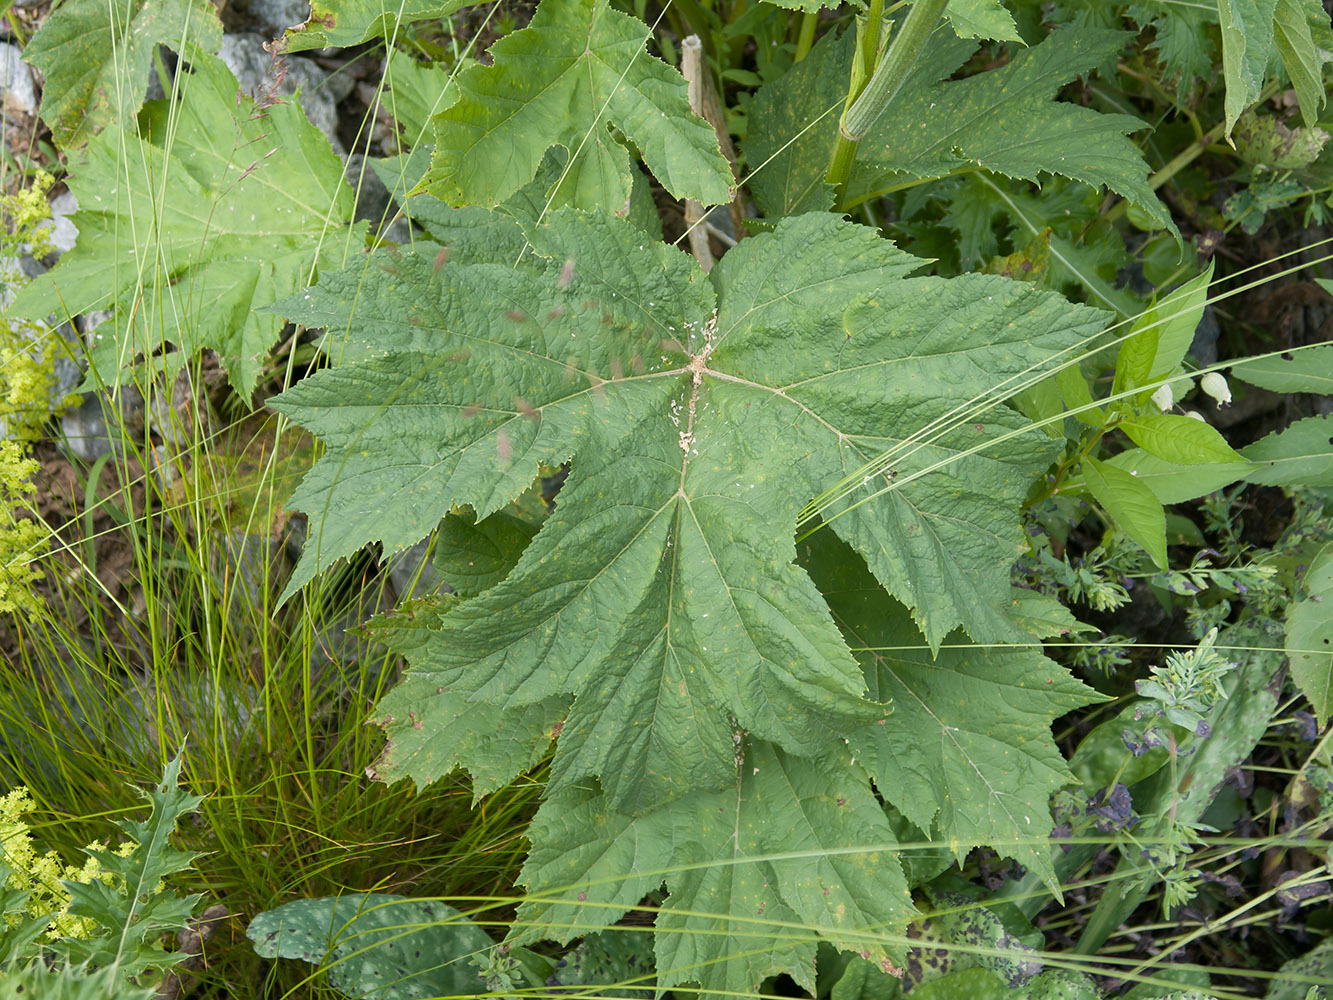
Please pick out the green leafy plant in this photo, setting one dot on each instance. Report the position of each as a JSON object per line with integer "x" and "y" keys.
{"x": 94, "y": 930}
{"x": 757, "y": 569}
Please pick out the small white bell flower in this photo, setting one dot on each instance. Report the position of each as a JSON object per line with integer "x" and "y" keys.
{"x": 1216, "y": 386}
{"x": 1163, "y": 398}
{"x": 1195, "y": 414}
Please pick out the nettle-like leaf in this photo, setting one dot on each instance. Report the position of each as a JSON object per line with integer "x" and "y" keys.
{"x": 344, "y": 23}
{"x": 578, "y": 69}
{"x": 185, "y": 246}
{"x": 1005, "y": 121}
{"x": 982, "y": 19}
{"x": 97, "y": 55}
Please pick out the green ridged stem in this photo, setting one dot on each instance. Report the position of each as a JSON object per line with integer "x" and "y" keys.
{"x": 884, "y": 84}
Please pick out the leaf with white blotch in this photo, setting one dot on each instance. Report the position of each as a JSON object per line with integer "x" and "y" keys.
{"x": 243, "y": 211}
{"x": 789, "y": 842}
{"x": 968, "y": 750}
{"x": 376, "y": 944}
{"x": 1301, "y": 455}
{"x": 344, "y": 23}
{"x": 97, "y": 55}
{"x": 661, "y": 593}
{"x": 982, "y": 19}
{"x": 577, "y": 70}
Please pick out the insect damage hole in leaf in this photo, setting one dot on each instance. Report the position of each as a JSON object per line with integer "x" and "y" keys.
{"x": 660, "y": 605}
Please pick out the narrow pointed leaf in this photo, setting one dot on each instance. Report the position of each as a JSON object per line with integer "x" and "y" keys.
{"x": 1301, "y": 455}
{"x": 1131, "y": 503}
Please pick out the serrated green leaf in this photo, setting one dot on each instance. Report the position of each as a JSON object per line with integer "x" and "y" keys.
{"x": 474, "y": 556}
{"x": 1007, "y": 121}
{"x": 97, "y": 55}
{"x": 1304, "y": 43}
{"x": 377, "y": 944}
{"x": 1297, "y": 976}
{"x": 415, "y": 93}
{"x": 1247, "y": 43}
{"x": 344, "y": 23}
{"x": 982, "y": 19}
{"x": 789, "y": 843}
{"x": 577, "y": 69}
{"x": 968, "y": 750}
{"x": 659, "y": 586}
{"x": 68, "y": 983}
{"x": 1305, "y": 370}
{"x": 1310, "y": 648}
{"x": 1184, "y": 39}
{"x": 1173, "y": 483}
{"x": 1178, "y": 439}
{"x": 1301, "y": 455}
{"x": 133, "y": 912}
{"x": 1132, "y": 504}
{"x": 187, "y": 246}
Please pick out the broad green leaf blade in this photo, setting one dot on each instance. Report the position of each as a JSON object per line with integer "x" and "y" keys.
{"x": 1162, "y": 334}
{"x": 1301, "y": 455}
{"x": 1131, "y": 503}
{"x": 789, "y": 843}
{"x": 1178, "y": 439}
{"x": 476, "y": 555}
{"x": 344, "y": 23}
{"x": 377, "y": 944}
{"x": 577, "y": 70}
{"x": 1008, "y": 122}
{"x": 1171, "y": 483}
{"x": 1304, "y": 43}
{"x": 968, "y": 750}
{"x": 186, "y": 248}
{"x": 982, "y": 19}
{"x": 1306, "y": 370}
{"x": 793, "y": 122}
{"x": 1247, "y": 44}
{"x": 97, "y": 55}
{"x": 416, "y": 92}
{"x": 661, "y": 593}
{"x": 1310, "y": 647}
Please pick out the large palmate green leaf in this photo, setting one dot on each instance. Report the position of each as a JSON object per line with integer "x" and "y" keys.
{"x": 343, "y": 23}
{"x": 968, "y": 750}
{"x": 185, "y": 247}
{"x": 657, "y": 621}
{"x": 577, "y": 70}
{"x": 790, "y": 843}
{"x": 1005, "y": 121}
{"x": 97, "y": 54}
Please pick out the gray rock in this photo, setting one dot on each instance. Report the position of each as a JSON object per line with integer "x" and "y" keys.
{"x": 101, "y": 423}
{"x": 64, "y": 232}
{"x": 413, "y": 574}
{"x": 271, "y": 18}
{"x": 372, "y": 197}
{"x": 255, "y": 71}
{"x": 16, "y": 89}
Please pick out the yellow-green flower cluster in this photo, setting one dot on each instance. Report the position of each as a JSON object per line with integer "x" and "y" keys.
{"x": 40, "y": 875}
{"x": 22, "y": 540}
{"x": 27, "y": 348}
